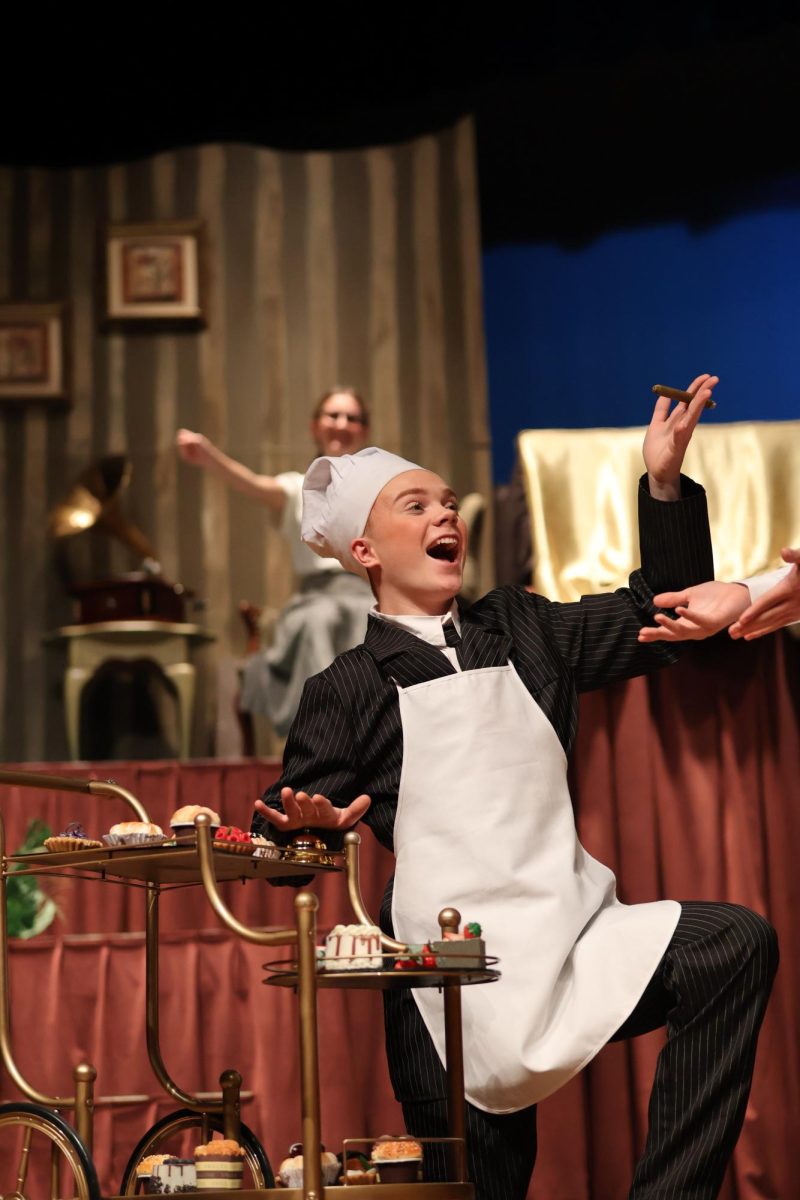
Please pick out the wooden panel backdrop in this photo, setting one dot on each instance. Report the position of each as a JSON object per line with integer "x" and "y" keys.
{"x": 360, "y": 267}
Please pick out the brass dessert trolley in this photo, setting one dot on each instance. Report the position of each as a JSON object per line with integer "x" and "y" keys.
{"x": 69, "y": 1148}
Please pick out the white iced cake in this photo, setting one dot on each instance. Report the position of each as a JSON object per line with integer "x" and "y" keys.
{"x": 353, "y": 948}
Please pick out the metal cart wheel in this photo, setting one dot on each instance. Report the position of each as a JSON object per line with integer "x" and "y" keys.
{"x": 255, "y": 1158}
{"x": 41, "y": 1155}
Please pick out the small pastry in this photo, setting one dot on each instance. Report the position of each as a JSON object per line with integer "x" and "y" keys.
{"x": 353, "y": 948}
{"x": 290, "y": 1172}
{"x": 466, "y": 949}
{"x": 74, "y": 837}
{"x": 263, "y": 847}
{"x": 219, "y": 1165}
{"x": 133, "y": 833}
{"x": 145, "y": 1165}
{"x": 358, "y": 1170}
{"x": 398, "y": 1160}
{"x": 145, "y": 1181}
{"x": 331, "y": 1167}
{"x": 174, "y": 1175}
{"x": 358, "y": 1175}
{"x": 146, "y": 827}
{"x": 229, "y": 837}
{"x": 182, "y": 821}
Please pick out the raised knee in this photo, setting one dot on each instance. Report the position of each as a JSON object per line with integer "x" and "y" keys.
{"x": 760, "y": 938}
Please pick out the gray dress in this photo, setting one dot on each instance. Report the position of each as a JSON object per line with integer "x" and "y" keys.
{"x": 326, "y": 616}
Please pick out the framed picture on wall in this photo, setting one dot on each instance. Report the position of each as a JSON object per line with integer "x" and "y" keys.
{"x": 32, "y": 353}
{"x": 153, "y": 273}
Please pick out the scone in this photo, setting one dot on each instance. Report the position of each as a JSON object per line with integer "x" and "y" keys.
{"x": 133, "y": 833}
{"x": 182, "y": 821}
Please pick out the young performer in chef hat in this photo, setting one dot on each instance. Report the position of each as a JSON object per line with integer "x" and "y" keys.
{"x": 448, "y": 732}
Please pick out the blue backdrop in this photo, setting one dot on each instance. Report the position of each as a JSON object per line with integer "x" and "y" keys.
{"x": 576, "y": 337}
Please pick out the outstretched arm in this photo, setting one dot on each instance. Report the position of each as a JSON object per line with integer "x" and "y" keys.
{"x": 778, "y": 607}
{"x": 701, "y": 611}
{"x": 196, "y": 449}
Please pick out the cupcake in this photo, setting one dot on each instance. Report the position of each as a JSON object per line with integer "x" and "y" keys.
{"x": 145, "y": 1181}
{"x": 398, "y": 1160}
{"x": 358, "y": 1171}
{"x": 219, "y": 1165}
{"x": 263, "y": 847}
{"x": 74, "y": 837}
{"x": 134, "y": 833}
{"x": 182, "y": 822}
{"x": 174, "y": 1175}
{"x": 290, "y": 1172}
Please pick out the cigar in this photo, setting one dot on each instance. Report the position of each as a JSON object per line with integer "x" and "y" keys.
{"x": 677, "y": 394}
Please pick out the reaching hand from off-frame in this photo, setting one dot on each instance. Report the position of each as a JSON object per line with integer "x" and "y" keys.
{"x": 778, "y": 607}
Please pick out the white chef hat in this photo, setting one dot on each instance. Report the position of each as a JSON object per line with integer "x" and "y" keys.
{"x": 338, "y": 495}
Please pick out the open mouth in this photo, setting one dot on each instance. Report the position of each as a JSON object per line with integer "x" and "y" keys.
{"x": 444, "y": 549}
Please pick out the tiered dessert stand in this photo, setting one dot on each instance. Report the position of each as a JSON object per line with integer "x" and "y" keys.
{"x": 41, "y": 1129}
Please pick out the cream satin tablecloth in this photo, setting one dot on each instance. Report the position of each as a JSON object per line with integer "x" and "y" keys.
{"x": 581, "y": 487}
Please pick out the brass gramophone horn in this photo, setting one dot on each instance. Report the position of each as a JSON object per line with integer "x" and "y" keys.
{"x": 94, "y": 500}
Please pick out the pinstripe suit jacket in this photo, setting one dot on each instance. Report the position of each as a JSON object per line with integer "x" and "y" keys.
{"x": 347, "y": 738}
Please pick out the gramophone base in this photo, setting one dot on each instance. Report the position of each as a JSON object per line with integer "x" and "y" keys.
{"x": 136, "y": 596}
{"x": 167, "y": 644}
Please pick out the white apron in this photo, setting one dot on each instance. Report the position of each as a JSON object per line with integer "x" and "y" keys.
{"x": 485, "y": 823}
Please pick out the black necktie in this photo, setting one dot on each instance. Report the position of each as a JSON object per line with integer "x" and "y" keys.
{"x": 453, "y": 638}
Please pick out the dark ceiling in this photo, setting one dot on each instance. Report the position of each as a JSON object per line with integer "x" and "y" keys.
{"x": 586, "y": 119}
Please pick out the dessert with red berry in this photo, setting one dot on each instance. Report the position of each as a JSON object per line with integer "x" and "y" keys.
{"x": 231, "y": 838}
{"x": 465, "y": 949}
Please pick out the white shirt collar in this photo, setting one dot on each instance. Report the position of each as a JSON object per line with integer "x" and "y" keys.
{"x": 430, "y": 629}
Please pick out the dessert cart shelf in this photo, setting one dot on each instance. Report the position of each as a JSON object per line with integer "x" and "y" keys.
{"x": 160, "y": 867}
{"x": 162, "y": 864}
{"x": 355, "y": 1191}
{"x": 388, "y": 980}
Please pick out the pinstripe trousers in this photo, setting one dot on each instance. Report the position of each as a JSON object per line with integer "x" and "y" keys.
{"x": 710, "y": 990}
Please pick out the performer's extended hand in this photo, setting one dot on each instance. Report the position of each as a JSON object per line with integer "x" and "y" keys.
{"x": 316, "y": 812}
{"x": 702, "y": 610}
{"x": 668, "y": 435}
{"x": 193, "y": 447}
{"x": 778, "y": 607}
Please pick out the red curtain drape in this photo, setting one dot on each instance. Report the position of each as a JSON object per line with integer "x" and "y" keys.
{"x": 686, "y": 783}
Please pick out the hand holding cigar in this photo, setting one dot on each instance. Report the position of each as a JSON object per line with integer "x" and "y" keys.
{"x": 670, "y": 431}
{"x": 682, "y": 397}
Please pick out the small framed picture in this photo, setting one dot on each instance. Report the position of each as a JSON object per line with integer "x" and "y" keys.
{"x": 153, "y": 273}
{"x": 32, "y": 352}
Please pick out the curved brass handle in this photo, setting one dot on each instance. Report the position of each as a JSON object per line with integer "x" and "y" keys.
{"x": 58, "y": 783}
{"x": 6, "y": 1055}
{"x": 352, "y": 841}
{"x": 262, "y": 937}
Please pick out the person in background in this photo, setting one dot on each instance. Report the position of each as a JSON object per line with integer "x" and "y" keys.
{"x": 327, "y": 614}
